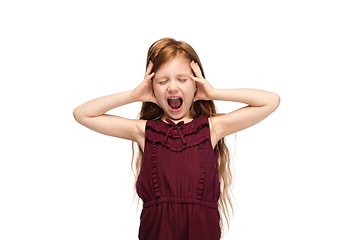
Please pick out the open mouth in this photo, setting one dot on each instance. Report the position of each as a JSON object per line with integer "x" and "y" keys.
{"x": 175, "y": 103}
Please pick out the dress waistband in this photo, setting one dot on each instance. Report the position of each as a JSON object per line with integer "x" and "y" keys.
{"x": 161, "y": 200}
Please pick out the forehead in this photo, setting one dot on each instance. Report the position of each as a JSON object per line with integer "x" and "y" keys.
{"x": 176, "y": 66}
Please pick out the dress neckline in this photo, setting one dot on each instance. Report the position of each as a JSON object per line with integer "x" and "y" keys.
{"x": 180, "y": 123}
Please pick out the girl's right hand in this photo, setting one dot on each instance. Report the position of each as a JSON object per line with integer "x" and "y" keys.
{"x": 144, "y": 92}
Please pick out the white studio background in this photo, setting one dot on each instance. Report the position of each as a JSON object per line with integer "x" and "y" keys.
{"x": 297, "y": 172}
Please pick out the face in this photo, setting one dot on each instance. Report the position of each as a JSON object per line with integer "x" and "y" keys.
{"x": 173, "y": 88}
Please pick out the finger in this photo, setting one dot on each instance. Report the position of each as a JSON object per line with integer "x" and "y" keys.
{"x": 149, "y": 77}
{"x": 149, "y": 68}
{"x": 196, "y": 69}
{"x": 196, "y": 79}
{"x": 147, "y": 80}
{"x": 192, "y": 65}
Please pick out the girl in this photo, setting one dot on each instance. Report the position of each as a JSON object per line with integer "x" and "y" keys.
{"x": 183, "y": 173}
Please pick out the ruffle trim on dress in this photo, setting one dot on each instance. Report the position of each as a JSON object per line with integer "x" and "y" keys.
{"x": 196, "y": 129}
{"x": 202, "y": 173}
{"x": 174, "y": 200}
{"x": 175, "y": 148}
{"x": 155, "y": 173}
{"x": 198, "y": 126}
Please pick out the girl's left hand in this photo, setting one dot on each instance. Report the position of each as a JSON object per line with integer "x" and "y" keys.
{"x": 204, "y": 90}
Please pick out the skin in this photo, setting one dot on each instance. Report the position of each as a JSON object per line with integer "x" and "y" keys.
{"x": 260, "y": 103}
{"x": 173, "y": 80}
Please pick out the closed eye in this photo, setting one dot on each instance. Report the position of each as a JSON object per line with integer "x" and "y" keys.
{"x": 163, "y": 81}
{"x": 182, "y": 79}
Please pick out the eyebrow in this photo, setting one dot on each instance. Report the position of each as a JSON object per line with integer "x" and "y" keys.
{"x": 183, "y": 75}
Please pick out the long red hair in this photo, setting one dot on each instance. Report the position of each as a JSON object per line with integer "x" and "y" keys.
{"x": 161, "y": 52}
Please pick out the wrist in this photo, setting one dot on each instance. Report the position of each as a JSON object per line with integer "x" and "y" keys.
{"x": 215, "y": 94}
{"x": 132, "y": 96}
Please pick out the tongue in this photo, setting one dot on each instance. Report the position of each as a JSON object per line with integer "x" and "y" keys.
{"x": 174, "y": 103}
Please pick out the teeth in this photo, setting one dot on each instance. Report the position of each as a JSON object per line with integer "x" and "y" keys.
{"x": 174, "y": 98}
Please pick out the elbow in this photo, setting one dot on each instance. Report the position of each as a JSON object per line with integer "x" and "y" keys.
{"x": 80, "y": 115}
{"x": 77, "y": 114}
{"x": 275, "y": 101}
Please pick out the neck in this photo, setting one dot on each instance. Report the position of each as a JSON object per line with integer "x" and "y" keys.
{"x": 185, "y": 119}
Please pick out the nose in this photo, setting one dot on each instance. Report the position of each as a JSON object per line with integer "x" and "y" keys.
{"x": 172, "y": 87}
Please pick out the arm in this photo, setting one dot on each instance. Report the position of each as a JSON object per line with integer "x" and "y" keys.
{"x": 260, "y": 105}
{"x": 92, "y": 114}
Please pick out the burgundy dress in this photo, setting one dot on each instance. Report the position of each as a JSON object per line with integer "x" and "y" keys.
{"x": 178, "y": 182}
